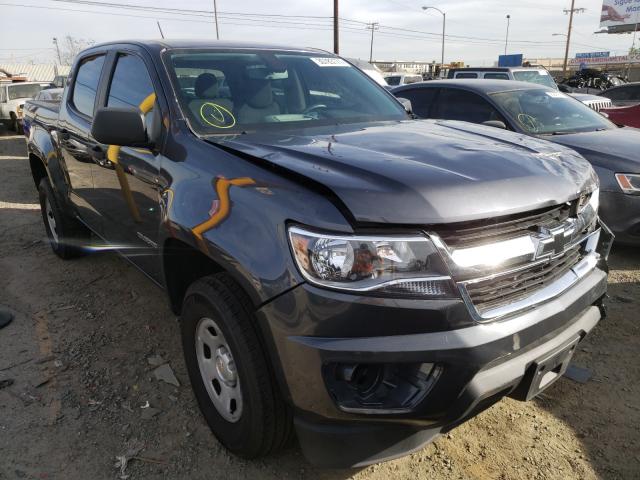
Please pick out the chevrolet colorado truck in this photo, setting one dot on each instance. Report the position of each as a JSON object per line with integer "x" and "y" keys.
{"x": 339, "y": 268}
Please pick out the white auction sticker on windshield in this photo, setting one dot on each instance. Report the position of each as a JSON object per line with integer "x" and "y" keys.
{"x": 329, "y": 62}
{"x": 543, "y": 72}
{"x": 556, "y": 95}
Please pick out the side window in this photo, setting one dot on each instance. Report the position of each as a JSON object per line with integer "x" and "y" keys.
{"x": 466, "y": 75}
{"x": 3, "y": 95}
{"x": 86, "y": 84}
{"x": 130, "y": 84}
{"x": 421, "y": 99}
{"x": 454, "y": 104}
{"x": 496, "y": 76}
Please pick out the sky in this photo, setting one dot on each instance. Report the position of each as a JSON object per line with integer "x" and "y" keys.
{"x": 476, "y": 29}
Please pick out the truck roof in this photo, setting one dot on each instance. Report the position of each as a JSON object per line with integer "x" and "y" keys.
{"x": 159, "y": 44}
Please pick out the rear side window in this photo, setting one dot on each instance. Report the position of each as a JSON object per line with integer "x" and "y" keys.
{"x": 421, "y": 99}
{"x": 130, "y": 84}
{"x": 86, "y": 84}
{"x": 395, "y": 80}
{"x": 496, "y": 76}
{"x": 466, "y": 75}
{"x": 454, "y": 104}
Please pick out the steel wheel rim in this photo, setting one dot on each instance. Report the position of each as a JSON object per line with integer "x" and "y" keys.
{"x": 218, "y": 370}
{"x": 51, "y": 221}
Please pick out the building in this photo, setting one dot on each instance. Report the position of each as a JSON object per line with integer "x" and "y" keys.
{"x": 34, "y": 72}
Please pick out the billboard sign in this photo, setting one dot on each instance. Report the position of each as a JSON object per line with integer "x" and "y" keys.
{"x": 510, "y": 60}
{"x": 620, "y": 12}
{"x": 592, "y": 55}
{"x": 617, "y": 60}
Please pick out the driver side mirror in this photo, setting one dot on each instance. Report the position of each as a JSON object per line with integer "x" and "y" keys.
{"x": 120, "y": 126}
{"x": 406, "y": 103}
{"x": 495, "y": 123}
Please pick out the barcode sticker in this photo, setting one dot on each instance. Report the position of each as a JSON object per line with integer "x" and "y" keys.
{"x": 329, "y": 62}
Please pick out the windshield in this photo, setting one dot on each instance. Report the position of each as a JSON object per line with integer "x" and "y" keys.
{"x": 544, "y": 112}
{"x": 25, "y": 90}
{"x": 235, "y": 91}
{"x": 540, "y": 77}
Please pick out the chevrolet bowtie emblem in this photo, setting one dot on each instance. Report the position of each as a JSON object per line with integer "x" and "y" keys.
{"x": 552, "y": 241}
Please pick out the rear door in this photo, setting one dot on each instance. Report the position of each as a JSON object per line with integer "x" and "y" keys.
{"x": 457, "y": 104}
{"x": 74, "y": 139}
{"x": 421, "y": 98}
{"x": 127, "y": 183}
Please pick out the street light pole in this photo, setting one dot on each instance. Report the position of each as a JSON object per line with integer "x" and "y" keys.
{"x": 444, "y": 23}
{"x": 506, "y": 40}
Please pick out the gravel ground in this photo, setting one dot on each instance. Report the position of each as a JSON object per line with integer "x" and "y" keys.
{"x": 79, "y": 354}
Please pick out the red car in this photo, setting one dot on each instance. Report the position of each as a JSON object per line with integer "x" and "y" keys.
{"x": 629, "y": 116}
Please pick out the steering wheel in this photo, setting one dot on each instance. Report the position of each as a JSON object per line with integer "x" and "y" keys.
{"x": 313, "y": 108}
{"x": 530, "y": 123}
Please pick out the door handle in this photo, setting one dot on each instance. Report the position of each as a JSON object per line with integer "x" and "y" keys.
{"x": 64, "y": 134}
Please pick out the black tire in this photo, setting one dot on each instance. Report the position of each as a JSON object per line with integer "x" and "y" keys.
{"x": 265, "y": 424}
{"x": 70, "y": 235}
{"x": 13, "y": 123}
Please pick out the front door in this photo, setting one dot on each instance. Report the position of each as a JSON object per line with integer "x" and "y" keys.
{"x": 127, "y": 181}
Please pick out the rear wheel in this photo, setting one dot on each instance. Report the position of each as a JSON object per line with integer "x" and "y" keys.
{"x": 65, "y": 234}
{"x": 15, "y": 125}
{"x": 229, "y": 369}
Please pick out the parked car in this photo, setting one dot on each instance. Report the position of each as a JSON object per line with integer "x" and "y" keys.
{"x": 369, "y": 69}
{"x": 523, "y": 74}
{"x": 539, "y": 76}
{"x": 49, "y": 95}
{"x": 12, "y": 98}
{"x": 624, "y": 95}
{"x": 624, "y": 116}
{"x": 338, "y": 267}
{"x": 396, "y": 79}
{"x": 545, "y": 113}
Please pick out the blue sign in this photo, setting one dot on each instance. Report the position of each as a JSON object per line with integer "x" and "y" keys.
{"x": 592, "y": 55}
{"x": 510, "y": 60}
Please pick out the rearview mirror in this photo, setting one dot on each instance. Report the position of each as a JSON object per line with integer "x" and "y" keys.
{"x": 119, "y": 126}
{"x": 495, "y": 123}
{"x": 406, "y": 103}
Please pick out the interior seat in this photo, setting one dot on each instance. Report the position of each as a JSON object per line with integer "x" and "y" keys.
{"x": 207, "y": 91}
{"x": 259, "y": 103}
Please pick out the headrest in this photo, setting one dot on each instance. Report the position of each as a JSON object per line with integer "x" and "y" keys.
{"x": 262, "y": 96}
{"x": 206, "y": 86}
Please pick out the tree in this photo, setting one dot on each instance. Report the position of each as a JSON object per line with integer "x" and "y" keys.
{"x": 71, "y": 46}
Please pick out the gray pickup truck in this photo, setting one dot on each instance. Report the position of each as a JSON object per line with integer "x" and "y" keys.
{"x": 338, "y": 267}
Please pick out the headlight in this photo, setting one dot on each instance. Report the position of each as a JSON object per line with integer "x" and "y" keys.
{"x": 392, "y": 265}
{"x": 629, "y": 182}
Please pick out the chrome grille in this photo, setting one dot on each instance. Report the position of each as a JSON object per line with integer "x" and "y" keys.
{"x": 506, "y": 264}
{"x": 513, "y": 286}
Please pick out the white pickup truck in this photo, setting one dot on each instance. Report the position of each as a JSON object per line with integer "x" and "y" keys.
{"x": 12, "y": 98}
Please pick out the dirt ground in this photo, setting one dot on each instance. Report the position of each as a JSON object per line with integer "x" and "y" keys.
{"x": 78, "y": 354}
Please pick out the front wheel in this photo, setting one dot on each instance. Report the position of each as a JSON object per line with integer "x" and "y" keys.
{"x": 229, "y": 369}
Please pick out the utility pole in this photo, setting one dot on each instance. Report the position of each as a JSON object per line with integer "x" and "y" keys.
{"x": 566, "y": 51}
{"x": 506, "y": 40}
{"x": 373, "y": 26}
{"x": 160, "y": 28}
{"x": 336, "y": 36}
{"x": 55, "y": 42}
{"x": 215, "y": 16}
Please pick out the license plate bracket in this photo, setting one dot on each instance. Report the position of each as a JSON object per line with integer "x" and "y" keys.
{"x": 549, "y": 368}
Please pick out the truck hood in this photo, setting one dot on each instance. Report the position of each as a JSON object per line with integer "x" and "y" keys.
{"x": 424, "y": 171}
{"x": 617, "y": 149}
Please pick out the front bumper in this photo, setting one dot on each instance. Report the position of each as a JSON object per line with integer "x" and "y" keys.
{"x": 621, "y": 213}
{"x": 308, "y": 328}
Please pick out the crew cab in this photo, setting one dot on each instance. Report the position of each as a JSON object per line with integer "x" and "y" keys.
{"x": 338, "y": 267}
